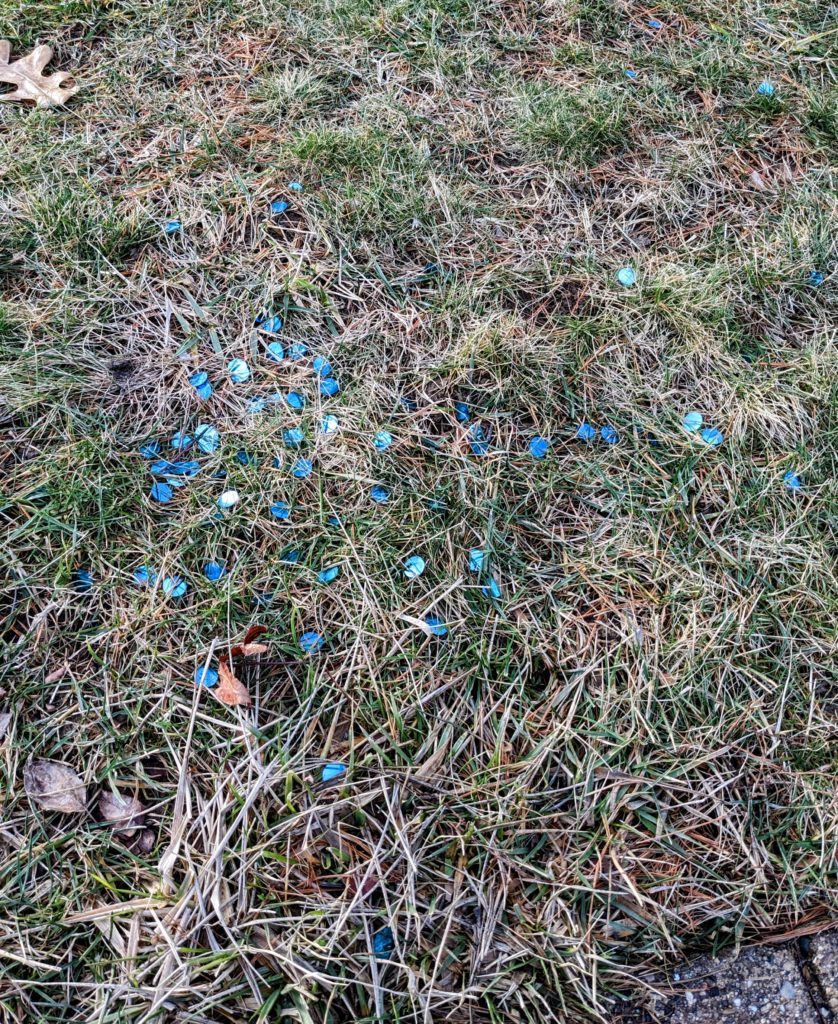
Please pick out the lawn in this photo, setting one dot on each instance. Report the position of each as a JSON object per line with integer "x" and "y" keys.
{"x": 589, "y": 729}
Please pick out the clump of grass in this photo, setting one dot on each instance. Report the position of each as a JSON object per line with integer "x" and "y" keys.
{"x": 581, "y": 126}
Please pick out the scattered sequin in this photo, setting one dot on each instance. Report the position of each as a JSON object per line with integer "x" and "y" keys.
{"x": 712, "y": 436}
{"x": 329, "y": 387}
{"x": 383, "y": 943}
{"x": 792, "y": 480}
{"x": 692, "y": 421}
{"x": 329, "y": 425}
{"x": 150, "y": 449}
{"x": 476, "y": 558}
{"x": 630, "y": 73}
{"x": 174, "y": 586}
{"x": 332, "y": 771}
{"x": 273, "y": 324}
{"x": 256, "y": 405}
{"x": 278, "y": 206}
{"x": 280, "y": 510}
{"x": 539, "y": 446}
{"x": 816, "y": 278}
{"x": 626, "y": 276}
{"x": 311, "y": 642}
{"x": 228, "y": 499}
{"x": 207, "y": 438}
{"x": 436, "y": 625}
{"x": 322, "y": 366}
{"x": 206, "y": 676}
{"x": 493, "y": 589}
{"x": 297, "y": 351}
{"x": 143, "y": 575}
{"x": 239, "y": 371}
{"x": 382, "y": 440}
{"x": 82, "y": 580}
{"x": 302, "y": 468}
{"x": 414, "y": 567}
{"x": 275, "y": 352}
{"x": 181, "y": 441}
{"x": 765, "y": 89}
{"x": 295, "y": 186}
{"x": 380, "y": 494}
{"x": 162, "y": 492}
{"x": 586, "y": 432}
{"x": 461, "y": 411}
{"x": 293, "y": 437}
{"x": 214, "y": 571}
{"x": 329, "y": 575}
{"x": 609, "y": 435}
{"x": 171, "y": 227}
{"x": 295, "y": 400}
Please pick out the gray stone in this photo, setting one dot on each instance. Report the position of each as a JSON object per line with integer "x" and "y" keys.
{"x": 824, "y": 959}
{"x": 761, "y": 985}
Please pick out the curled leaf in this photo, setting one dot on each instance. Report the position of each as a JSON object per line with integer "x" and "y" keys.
{"x": 126, "y": 814}
{"x": 54, "y": 787}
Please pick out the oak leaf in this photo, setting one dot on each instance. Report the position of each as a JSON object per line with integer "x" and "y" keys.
{"x": 54, "y": 787}
{"x": 27, "y": 73}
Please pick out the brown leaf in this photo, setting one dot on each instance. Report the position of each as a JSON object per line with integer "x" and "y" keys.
{"x": 27, "y": 73}
{"x": 54, "y": 787}
{"x": 144, "y": 843}
{"x": 248, "y": 650}
{"x": 230, "y": 690}
{"x": 247, "y": 647}
{"x": 126, "y": 814}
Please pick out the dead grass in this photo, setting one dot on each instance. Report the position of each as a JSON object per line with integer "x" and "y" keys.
{"x": 626, "y": 757}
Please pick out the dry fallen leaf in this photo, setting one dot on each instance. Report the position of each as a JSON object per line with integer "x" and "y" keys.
{"x": 126, "y": 814}
{"x": 27, "y": 73}
{"x": 5, "y": 722}
{"x": 54, "y": 787}
{"x": 247, "y": 646}
{"x": 144, "y": 843}
{"x": 230, "y": 690}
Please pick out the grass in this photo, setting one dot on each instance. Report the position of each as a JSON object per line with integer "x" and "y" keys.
{"x": 628, "y": 756}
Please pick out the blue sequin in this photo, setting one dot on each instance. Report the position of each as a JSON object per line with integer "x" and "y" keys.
{"x": 293, "y": 437}
{"x": 295, "y": 400}
{"x": 278, "y": 206}
{"x": 609, "y": 435}
{"x": 162, "y": 492}
{"x": 329, "y": 387}
{"x": 332, "y": 771}
{"x": 329, "y": 575}
{"x": 280, "y": 510}
{"x": 382, "y": 440}
{"x": 380, "y": 494}
{"x": 150, "y": 449}
{"x": 174, "y": 586}
{"x": 712, "y": 436}
{"x": 414, "y": 567}
{"x": 539, "y": 446}
{"x": 275, "y": 352}
{"x": 436, "y": 625}
{"x": 692, "y": 421}
{"x": 214, "y": 571}
{"x": 239, "y": 371}
{"x": 206, "y": 676}
{"x": 311, "y": 642}
{"x": 302, "y": 468}
{"x": 586, "y": 432}
{"x": 626, "y": 276}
